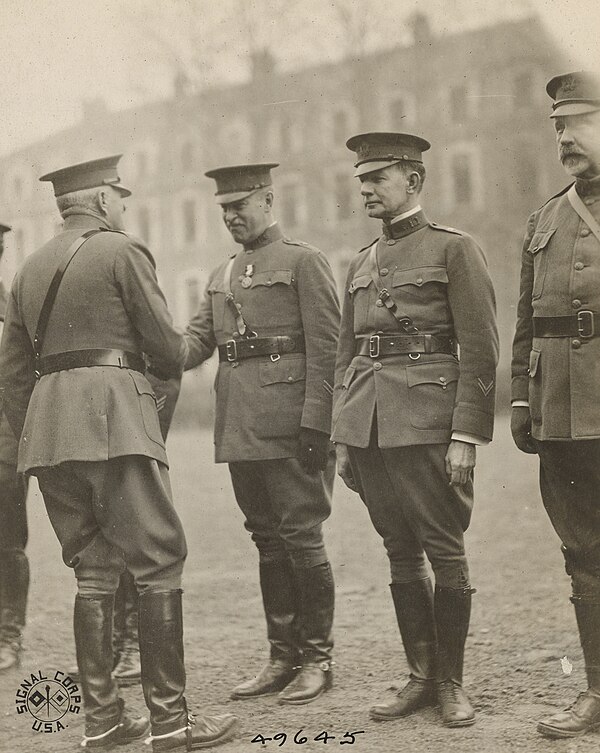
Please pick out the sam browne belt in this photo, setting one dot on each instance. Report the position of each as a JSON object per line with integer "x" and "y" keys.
{"x": 78, "y": 359}
{"x": 584, "y": 324}
{"x": 278, "y": 345}
{"x": 379, "y": 346}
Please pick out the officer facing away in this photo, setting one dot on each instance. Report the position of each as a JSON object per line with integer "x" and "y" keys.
{"x": 272, "y": 313}
{"x": 408, "y": 413}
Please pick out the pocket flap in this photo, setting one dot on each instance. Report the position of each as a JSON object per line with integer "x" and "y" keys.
{"x": 362, "y": 281}
{"x": 348, "y": 377}
{"x": 439, "y": 372}
{"x": 142, "y": 385}
{"x": 272, "y": 277}
{"x": 540, "y": 240}
{"x": 534, "y": 360}
{"x": 420, "y": 276}
{"x": 288, "y": 370}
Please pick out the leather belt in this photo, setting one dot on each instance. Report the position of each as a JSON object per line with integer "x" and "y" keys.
{"x": 379, "y": 346}
{"x": 584, "y": 324}
{"x": 253, "y": 347}
{"x": 78, "y": 359}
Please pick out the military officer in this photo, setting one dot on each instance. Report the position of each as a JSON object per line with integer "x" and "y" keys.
{"x": 555, "y": 369}
{"x": 408, "y": 413}
{"x": 82, "y": 312}
{"x": 272, "y": 313}
{"x": 14, "y": 565}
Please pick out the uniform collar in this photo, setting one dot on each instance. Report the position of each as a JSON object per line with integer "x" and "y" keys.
{"x": 588, "y": 188}
{"x": 405, "y": 224}
{"x": 270, "y": 235}
{"x": 83, "y": 221}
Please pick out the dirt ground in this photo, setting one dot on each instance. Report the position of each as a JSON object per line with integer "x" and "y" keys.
{"x": 522, "y": 621}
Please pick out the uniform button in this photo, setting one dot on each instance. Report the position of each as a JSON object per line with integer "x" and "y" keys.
{"x": 443, "y": 380}
{"x": 419, "y": 280}
{"x": 379, "y": 302}
{"x": 576, "y": 303}
{"x": 290, "y": 379}
{"x": 377, "y": 366}
{"x": 384, "y": 272}
{"x": 589, "y": 201}
{"x": 391, "y": 242}
{"x": 269, "y": 282}
{"x": 579, "y": 265}
{"x": 576, "y": 344}
{"x": 585, "y": 232}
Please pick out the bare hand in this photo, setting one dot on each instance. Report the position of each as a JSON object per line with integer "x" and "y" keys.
{"x": 460, "y": 461}
{"x": 343, "y": 467}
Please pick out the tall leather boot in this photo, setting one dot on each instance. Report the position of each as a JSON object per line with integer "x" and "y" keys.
{"x": 279, "y": 595}
{"x": 413, "y": 602}
{"x": 316, "y": 635}
{"x": 127, "y": 669}
{"x": 452, "y": 608}
{"x": 106, "y": 722}
{"x": 163, "y": 679}
{"x": 584, "y": 715}
{"x": 14, "y": 587}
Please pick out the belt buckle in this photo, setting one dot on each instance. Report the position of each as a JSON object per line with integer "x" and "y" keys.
{"x": 585, "y": 324}
{"x": 231, "y": 350}
{"x": 374, "y": 346}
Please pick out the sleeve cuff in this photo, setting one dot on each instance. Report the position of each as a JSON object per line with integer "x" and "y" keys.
{"x": 520, "y": 404}
{"x": 461, "y": 436}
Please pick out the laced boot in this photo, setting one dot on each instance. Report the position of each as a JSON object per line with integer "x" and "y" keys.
{"x": 163, "y": 679}
{"x": 14, "y": 586}
{"x": 127, "y": 669}
{"x": 106, "y": 722}
{"x": 315, "y": 676}
{"x": 584, "y": 715}
{"x": 414, "y": 611}
{"x": 278, "y": 588}
{"x": 452, "y": 608}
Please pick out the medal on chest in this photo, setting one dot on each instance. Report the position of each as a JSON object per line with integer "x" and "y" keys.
{"x": 246, "y": 278}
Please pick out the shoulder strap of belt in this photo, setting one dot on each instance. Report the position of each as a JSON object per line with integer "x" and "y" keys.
{"x": 236, "y": 309}
{"x": 42, "y": 323}
{"x": 583, "y": 211}
{"x": 384, "y": 294}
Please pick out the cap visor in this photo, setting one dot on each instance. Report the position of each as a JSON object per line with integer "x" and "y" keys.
{"x": 229, "y": 198}
{"x": 372, "y": 167}
{"x": 122, "y": 190}
{"x": 574, "y": 108}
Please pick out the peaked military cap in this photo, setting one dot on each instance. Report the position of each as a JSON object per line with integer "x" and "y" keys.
{"x": 574, "y": 93}
{"x": 236, "y": 182}
{"x": 91, "y": 174}
{"x": 4, "y": 228}
{"x": 378, "y": 150}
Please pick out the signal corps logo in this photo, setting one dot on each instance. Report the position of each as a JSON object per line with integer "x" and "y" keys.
{"x": 48, "y": 698}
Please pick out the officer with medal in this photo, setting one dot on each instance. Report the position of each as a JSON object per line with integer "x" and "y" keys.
{"x": 272, "y": 313}
{"x": 85, "y": 315}
{"x": 408, "y": 412}
{"x": 556, "y": 369}
{"x": 14, "y": 565}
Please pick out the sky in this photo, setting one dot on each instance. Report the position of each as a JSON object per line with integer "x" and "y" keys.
{"x": 56, "y": 53}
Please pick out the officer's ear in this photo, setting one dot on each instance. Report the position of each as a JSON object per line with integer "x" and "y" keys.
{"x": 269, "y": 199}
{"x": 413, "y": 182}
{"x": 102, "y": 200}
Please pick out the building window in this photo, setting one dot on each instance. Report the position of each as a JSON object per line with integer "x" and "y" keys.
{"x": 187, "y": 157}
{"x": 523, "y": 90}
{"x": 189, "y": 220}
{"x": 17, "y": 187}
{"x": 236, "y": 140}
{"x": 344, "y": 194}
{"x": 464, "y": 179}
{"x": 143, "y": 222}
{"x": 459, "y": 110}
{"x": 192, "y": 283}
{"x": 290, "y": 135}
{"x": 291, "y": 204}
{"x": 340, "y": 127}
{"x": 141, "y": 165}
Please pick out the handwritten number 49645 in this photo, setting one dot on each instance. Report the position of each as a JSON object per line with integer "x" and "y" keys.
{"x": 300, "y": 739}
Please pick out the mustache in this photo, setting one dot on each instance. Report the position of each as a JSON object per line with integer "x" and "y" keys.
{"x": 564, "y": 153}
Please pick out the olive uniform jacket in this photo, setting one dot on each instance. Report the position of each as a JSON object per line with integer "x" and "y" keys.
{"x": 560, "y": 276}
{"x": 261, "y": 403}
{"x": 8, "y": 442}
{"x": 438, "y": 277}
{"x": 109, "y": 298}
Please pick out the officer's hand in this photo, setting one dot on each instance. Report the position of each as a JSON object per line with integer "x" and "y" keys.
{"x": 344, "y": 468}
{"x": 460, "y": 461}
{"x": 520, "y": 427}
{"x": 313, "y": 450}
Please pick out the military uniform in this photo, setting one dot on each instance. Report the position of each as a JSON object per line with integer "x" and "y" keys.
{"x": 14, "y": 565}
{"x": 555, "y": 373}
{"x": 89, "y": 428}
{"x": 401, "y": 394}
{"x": 284, "y": 289}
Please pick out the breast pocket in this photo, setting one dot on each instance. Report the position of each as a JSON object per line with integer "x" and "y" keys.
{"x": 417, "y": 282}
{"x": 281, "y": 397}
{"x": 274, "y": 297}
{"x": 360, "y": 293}
{"x": 538, "y": 248}
{"x": 432, "y": 391}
